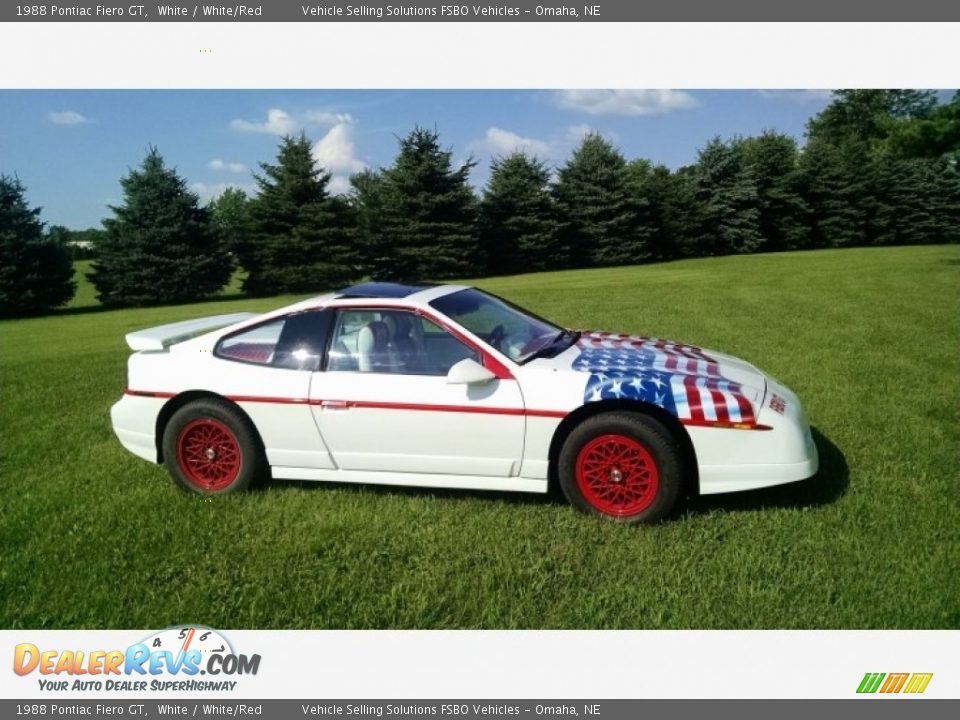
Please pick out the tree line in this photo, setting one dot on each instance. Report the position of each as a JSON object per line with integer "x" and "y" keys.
{"x": 879, "y": 167}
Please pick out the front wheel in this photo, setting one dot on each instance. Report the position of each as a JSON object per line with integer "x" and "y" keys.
{"x": 623, "y": 466}
{"x": 210, "y": 448}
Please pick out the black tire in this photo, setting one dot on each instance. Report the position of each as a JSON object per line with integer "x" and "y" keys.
{"x": 624, "y": 466}
{"x": 210, "y": 447}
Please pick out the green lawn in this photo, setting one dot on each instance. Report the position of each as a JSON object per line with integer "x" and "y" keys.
{"x": 94, "y": 537}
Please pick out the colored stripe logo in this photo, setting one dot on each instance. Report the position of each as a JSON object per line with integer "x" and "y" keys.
{"x": 890, "y": 683}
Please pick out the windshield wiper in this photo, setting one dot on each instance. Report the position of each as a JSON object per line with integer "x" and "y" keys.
{"x": 566, "y": 338}
{"x": 563, "y": 340}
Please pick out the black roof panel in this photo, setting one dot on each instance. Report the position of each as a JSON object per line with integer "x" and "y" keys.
{"x": 382, "y": 290}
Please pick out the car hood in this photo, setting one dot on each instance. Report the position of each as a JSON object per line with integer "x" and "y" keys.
{"x": 693, "y": 383}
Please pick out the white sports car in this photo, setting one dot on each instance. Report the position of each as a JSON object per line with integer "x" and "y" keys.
{"x": 448, "y": 386}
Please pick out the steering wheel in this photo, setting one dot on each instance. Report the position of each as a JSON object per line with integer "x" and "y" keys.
{"x": 496, "y": 337}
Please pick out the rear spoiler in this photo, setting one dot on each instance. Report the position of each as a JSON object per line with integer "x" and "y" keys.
{"x": 163, "y": 336}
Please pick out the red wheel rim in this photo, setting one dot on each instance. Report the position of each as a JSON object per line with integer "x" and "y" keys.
{"x": 208, "y": 454}
{"x": 617, "y": 475}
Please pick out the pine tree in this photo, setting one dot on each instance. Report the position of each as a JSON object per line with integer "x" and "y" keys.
{"x": 771, "y": 160}
{"x": 36, "y": 273}
{"x": 301, "y": 238}
{"x": 517, "y": 220}
{"x": 946, "y": 200}
{"x": 377, "y": 250}
{"x": 160, "y": 246}
{"x": 683, "y": 214}
{"x": 427, "y": 214}
{"x": 672, "y": 212}
{"x": 604, "y": 223}
{"x": 729, "y": 203}
{"x": 230, "y": 213}
{"x": 835, "y": 192}
{"x": 914, "y": 202}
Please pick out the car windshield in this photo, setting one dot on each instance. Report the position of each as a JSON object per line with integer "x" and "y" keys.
{"x": 516, "y": 333}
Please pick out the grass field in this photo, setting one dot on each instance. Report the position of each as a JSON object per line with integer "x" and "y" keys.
{"x": 93, "y": 537}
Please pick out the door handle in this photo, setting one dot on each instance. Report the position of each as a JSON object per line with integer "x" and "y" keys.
{"x": 334, "y": 404}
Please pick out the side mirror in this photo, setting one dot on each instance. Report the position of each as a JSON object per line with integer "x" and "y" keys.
{"x": 468, "y": 372}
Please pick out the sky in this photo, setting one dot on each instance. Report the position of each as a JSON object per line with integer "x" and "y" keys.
{"x": 70, "y": 148}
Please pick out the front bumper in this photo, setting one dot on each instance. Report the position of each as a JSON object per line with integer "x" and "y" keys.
{"x": 734, "y": 460}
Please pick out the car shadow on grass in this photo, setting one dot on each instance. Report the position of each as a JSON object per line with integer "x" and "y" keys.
{"x": 824, "y": 488}
{"x": 411, "y": 491}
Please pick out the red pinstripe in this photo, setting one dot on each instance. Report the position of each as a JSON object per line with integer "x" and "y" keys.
{"x": 693, "y": 398}
{"x": 148, "y": 393}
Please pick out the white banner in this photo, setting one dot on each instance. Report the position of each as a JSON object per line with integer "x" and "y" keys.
{"x": 475, "y": 664}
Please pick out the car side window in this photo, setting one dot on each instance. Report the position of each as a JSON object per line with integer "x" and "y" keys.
{"x": 393, "y": 341}
{"x": 294, "y": 342}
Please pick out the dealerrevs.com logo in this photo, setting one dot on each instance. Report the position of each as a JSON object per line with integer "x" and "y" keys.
{"x": 176, "y": 659}
{"x": 892, "y": 683}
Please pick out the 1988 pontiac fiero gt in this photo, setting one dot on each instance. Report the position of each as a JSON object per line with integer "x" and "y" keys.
{"x": 448, "y": 386}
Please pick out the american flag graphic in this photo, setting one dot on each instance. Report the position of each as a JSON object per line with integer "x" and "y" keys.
{"x": 681, "y": 379}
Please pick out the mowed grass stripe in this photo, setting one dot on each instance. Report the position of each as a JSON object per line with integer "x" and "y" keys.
{"x": 93, "y": 537}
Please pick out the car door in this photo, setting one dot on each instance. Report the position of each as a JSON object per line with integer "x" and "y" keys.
{"x": 267, "y": 369}
{"x": 383, "y": 403}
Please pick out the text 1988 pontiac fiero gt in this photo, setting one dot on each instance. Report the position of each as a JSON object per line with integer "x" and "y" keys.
{"x": 448, "y": 386}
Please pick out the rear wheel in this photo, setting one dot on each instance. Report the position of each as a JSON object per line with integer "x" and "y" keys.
{"x": 624, "y": 466}
{"x": 209, "y": 447}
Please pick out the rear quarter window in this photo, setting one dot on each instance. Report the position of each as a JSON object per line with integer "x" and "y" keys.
{"x": 294, "y": 342}
{"x": 256, "y": 345}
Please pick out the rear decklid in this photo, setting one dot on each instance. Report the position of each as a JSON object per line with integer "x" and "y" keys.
{"x": 163, "y": 336}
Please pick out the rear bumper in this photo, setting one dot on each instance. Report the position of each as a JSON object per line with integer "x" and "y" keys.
{"x": 134, "y": 421}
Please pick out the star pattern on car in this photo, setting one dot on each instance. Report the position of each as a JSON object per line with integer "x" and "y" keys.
{"x": 681, "y": 379}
